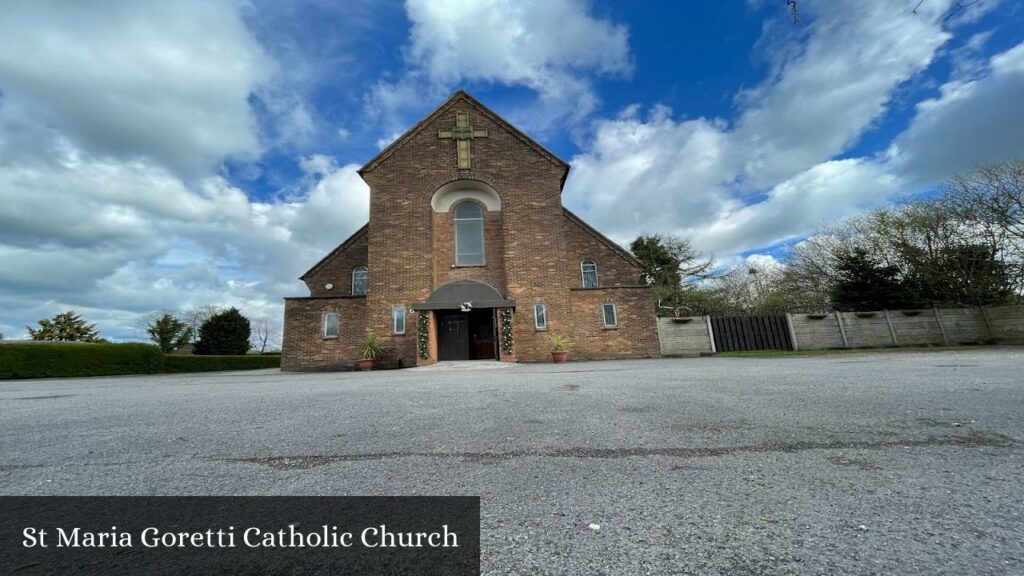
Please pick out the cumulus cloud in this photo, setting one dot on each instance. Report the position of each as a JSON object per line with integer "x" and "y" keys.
{"x": 112, "y": 126}
{"x": 818, "y": 102}
{"x": 121, "y": 239}
{"x": 971, "y": 121}
{"x": 163, "y": 81}
{"x": 551, "y": 47}
{"x": 778, "y": 171}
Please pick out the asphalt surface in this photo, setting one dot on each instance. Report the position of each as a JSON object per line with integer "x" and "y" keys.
{"x": 907, "y": 463}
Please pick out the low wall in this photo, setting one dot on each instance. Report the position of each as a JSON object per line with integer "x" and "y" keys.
{"x": 936, "y": 326}
{"x": 882, "y": 328}
{"x": 685, "y": 336}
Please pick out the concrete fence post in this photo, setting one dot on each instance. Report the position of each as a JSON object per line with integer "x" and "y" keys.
{"x": 792, "y": 332}
{"x": 892, "y": 331}
{"x": 711, "y": 334}
{"x": 842, "y": 331}
{"x": 942, "y": 329}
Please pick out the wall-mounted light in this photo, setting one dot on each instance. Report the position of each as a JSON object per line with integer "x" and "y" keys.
{"x": 328, "y": 286}
{"x": 466, "y": 307}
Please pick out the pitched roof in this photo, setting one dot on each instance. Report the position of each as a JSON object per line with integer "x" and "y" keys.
{"x": 462, "y": 95}
{"x": 625, "y": 254}
{"x": 341, "y": 247}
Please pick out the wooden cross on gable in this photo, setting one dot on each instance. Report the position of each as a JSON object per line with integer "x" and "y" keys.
{"x": 463, "y": 134}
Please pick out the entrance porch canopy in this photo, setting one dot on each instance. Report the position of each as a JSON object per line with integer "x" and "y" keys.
{"x": 454, "y": 295}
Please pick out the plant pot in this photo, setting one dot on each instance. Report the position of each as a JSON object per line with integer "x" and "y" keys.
{"x": 559, "y": 357}
{"x": 816, "y": 316}
{"x": 682, "y": 320}
{"x": 911, "y": 312}
{"x": 365, "y": 364}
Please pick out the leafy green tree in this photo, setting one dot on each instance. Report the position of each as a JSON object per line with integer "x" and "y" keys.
{"x": 65, "y": 327}
{"x": 224, "y": 333}
{"x": 168, "y": 332}
{"x": 667, "y": 262}
{"x": 865, "y": 284}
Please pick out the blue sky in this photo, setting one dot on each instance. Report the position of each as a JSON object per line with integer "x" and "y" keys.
{"x": 165, "y": 155}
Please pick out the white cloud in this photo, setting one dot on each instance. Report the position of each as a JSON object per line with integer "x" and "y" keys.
{"x": 778, "y": 171}
{"x": 113, "y": 123}
{"x": 551, "y": 47}
{"x": 971, "y": 121}
{"x": 163, "y": 81}
{"x": 820, "y": 101}
{"x": 167, "y": 244}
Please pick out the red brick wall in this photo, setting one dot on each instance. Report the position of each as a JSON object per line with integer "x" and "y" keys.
{"x": 445, "y": 271}
{"x": 613, "y": 269}
{"x": 529, "y": 183}
{"x": 337, "y": 270}
{"x": 636, "y": 335}
{"x": 305, "y": 348}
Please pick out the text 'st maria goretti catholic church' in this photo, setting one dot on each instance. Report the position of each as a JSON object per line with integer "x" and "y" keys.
{"x": 469, "y": 254}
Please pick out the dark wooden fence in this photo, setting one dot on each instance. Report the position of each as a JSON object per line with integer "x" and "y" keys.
{"x": 737, "y": 333}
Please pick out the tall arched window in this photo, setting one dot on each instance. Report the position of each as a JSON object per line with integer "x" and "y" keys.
{"x": 589, "y": 269}
{"x": 360, "y": 278}
{"x": 469, "y": 234}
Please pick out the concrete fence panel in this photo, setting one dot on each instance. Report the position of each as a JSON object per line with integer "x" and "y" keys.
{"x": 866, "y": 329}
{"x": 1007, "y": 323}
{"x": 816, "y": 331}
{"x": 965, "y": 325}
{"x": 685, "y": 336}
{"x": 916, "y": 327}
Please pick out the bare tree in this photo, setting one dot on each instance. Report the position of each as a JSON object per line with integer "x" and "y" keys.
{"x": 262, "y": 332}
{"x": 991, "y": 200}
{"x": 992, "y": 194}
{"x": 196, "y": 315}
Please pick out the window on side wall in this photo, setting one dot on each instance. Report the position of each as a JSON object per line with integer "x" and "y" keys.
{"x": 331, "y": 324}
{"x": 540, "y": 316}
{"x": 610, "y": 315}
{"x": 360, "y": 280}
{"x": 589, "y": 271}
{"x": 398, "y": 319}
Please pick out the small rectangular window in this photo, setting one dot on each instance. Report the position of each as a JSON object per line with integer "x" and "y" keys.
{"x": 540, "y": 316}
{"x": 398, "y": 319}
{"x": 611, "y": 315}
{"x": 332, "y": 324}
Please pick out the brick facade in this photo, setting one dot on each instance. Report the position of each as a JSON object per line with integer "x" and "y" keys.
{"x": 533, "y": 250}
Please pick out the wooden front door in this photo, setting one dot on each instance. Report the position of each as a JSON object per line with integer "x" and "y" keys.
{"x": 453, "y": 336}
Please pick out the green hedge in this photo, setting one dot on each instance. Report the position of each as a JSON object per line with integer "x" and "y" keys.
{"x": 72, "y": 360}
{"x": 211, "y": 363}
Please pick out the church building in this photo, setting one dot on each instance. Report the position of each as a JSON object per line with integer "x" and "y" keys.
{"x": 469, "y": 254}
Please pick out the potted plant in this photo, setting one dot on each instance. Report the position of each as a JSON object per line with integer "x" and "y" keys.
{"x": 559, "y": 348}
{"x": 372, "y": 349}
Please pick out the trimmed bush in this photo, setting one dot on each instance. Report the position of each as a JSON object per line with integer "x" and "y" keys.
{"x": 75, "y": 360}
{"x": 63, "y": 360}
{"x": 212, "y": 363}
{"x": 223, "y": 334}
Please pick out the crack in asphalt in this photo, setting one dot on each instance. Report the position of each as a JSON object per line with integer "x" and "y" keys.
{"x": 304, "y": 462}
